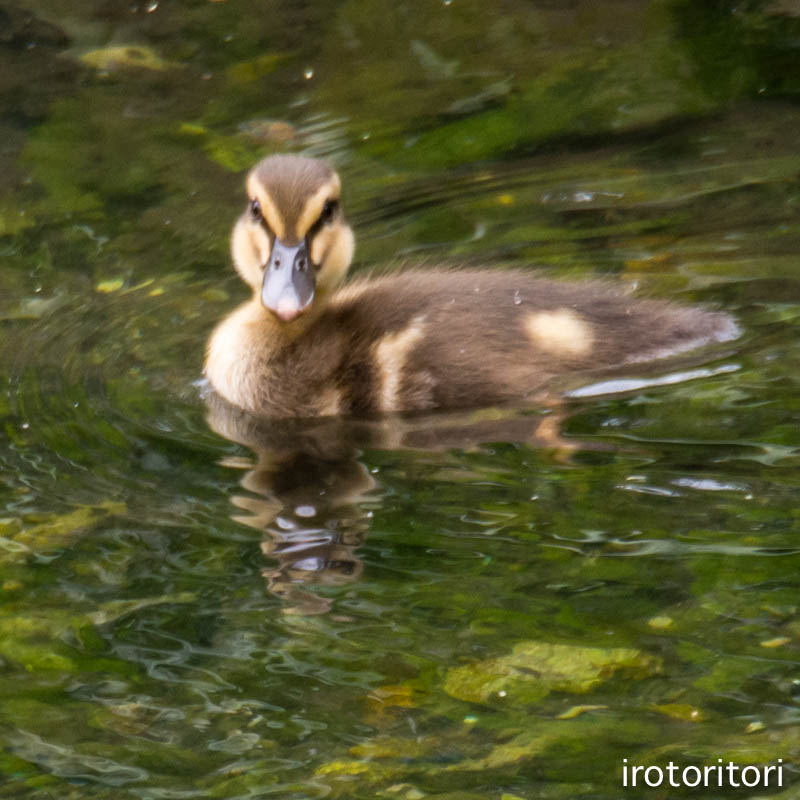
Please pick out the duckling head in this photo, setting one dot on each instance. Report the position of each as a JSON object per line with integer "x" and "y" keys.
{"x": 292, "y": 244}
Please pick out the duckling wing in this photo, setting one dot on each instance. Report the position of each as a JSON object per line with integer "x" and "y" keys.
{"x": 421, "y": 340}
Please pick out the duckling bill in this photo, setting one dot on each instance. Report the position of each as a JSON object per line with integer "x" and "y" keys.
{"x": 305, "y": 345}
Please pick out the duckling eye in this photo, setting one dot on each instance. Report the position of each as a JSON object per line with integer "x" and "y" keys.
{"x": 255, "y": 211}
{"x": 328, "y": 210}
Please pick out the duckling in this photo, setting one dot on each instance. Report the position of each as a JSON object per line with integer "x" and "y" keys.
{"x": 411, "y": 341}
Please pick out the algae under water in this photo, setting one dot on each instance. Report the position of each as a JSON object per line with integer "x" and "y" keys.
{"x": 485, "y": 619}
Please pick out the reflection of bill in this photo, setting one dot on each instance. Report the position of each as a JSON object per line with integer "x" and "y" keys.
{"x": 715, "y": 776}
{"x": 306, "y": 486}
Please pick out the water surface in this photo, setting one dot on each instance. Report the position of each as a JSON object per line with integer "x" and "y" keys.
{"x": 460, "y": 611}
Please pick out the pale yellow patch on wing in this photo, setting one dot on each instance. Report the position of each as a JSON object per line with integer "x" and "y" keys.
{"x": 561, "y": 332}
{"x": 330, "y": 402}
{"x": 391, "y": 354}
{"x": 313, "y": 207}
{"x": 270, "y": 211}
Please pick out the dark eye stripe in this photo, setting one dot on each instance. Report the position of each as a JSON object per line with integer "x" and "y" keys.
{"x": 328, "y": 210}
{"x": 326, "y": 215}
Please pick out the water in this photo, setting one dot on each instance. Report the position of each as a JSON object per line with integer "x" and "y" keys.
{"x": 451, "y": 608}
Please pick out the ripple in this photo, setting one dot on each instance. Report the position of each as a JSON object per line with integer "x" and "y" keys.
{"x": 67, "y": 762}
{"x": 88, "y": 411}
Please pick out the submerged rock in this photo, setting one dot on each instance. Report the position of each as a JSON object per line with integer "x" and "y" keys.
{"x": 534, "y": 669}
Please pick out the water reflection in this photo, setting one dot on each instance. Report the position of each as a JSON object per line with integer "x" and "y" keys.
{"x": 306, "y": 485}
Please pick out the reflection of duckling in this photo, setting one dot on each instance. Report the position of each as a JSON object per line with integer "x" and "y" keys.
{"x": 307, "y": 487}
{"x": 303, "y": 492}
{"x": 307, "y": 509}
{"x": 411, "y": 341}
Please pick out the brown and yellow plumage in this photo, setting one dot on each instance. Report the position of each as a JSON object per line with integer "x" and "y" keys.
{"x": 416, "y": 340}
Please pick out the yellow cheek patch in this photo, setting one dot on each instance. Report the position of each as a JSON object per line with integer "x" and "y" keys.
{"x": 320, "y": 245}
{"x": 391, "y": 355}
{"x": 262, "y": 247}
{"x": 250, "y": 250}
{"x": 333, "y": 250}
{"x": 561, "y": 332}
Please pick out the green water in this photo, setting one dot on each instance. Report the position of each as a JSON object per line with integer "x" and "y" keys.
{"x": 410, "y": 615}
